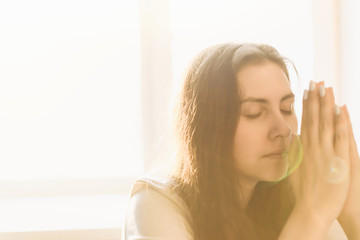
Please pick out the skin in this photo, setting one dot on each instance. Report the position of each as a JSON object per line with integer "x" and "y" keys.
{"x": 349, "y": 217}
{"x": 267, "y": 125}
{"x": 324, "y": 136}
{"x": 266, "y": 122}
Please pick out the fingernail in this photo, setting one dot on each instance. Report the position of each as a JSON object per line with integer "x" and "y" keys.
{"x": 312, "y": 85}
{"x": 322, "y": 90}
{"x": 305, "y": 94}
{"x": 337, "y": 110}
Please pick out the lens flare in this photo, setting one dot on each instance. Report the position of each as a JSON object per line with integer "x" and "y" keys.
{"x": 294, "y": 157}
{"x": 335, "y": 170}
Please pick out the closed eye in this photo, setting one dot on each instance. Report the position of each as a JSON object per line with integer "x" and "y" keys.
{"x": 287, "y": 112}
{"x": 253, "y": 116}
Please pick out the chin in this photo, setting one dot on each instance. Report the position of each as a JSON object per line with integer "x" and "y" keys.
{"x": 276, "y": 174}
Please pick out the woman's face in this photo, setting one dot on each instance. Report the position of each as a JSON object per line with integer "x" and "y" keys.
{"x": 266, "y": 121}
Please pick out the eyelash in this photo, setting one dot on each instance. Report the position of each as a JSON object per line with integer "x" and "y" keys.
{"x": 253, "y": 116}
{"x": 287, "y": 112}
{"x": 258, "y": 115}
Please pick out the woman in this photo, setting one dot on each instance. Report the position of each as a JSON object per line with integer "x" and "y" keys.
{"x": 237, "y": 141}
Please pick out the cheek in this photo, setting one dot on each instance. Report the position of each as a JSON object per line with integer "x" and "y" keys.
{"x": 248, "y": 141}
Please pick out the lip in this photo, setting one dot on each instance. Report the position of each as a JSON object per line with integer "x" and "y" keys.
{"x": 277, "y": 154}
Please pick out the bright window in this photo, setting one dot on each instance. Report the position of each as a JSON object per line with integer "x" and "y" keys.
{"x": 70, "y": 98}
{"x": 70, "y": 112}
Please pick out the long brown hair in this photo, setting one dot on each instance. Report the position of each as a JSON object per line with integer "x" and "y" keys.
{"x": 206, "y": 177}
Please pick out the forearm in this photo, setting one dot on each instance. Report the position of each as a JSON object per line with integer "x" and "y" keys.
{"x": 351, "y": 226}
{"x": 303, "y": 225}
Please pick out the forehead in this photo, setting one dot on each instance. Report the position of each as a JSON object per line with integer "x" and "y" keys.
{"x": 262, "y": 80}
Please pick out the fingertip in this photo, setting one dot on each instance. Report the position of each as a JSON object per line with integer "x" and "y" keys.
{"x": 312, "y": 85}
{"x": 337, "y": 110}
{"x": 330, "y": 92}
{"x": 342, "y": 120}
{"x": 343, "y": 109}
{"x": 347, "y": 116}
{"x": 305, "y": 96}
{"x": 322, "y": 91}
{"x": 346, "y": 110}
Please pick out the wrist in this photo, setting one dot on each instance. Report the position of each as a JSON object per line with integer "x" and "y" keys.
{"x": 304, "y": 223}
{"x": 317, "y": 216}
{"x": 314, "y": 217}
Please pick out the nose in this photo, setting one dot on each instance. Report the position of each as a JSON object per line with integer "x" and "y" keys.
{"x": 279, "y": 127}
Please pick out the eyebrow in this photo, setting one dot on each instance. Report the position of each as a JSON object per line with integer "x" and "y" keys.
{"x": 263, "y": 100}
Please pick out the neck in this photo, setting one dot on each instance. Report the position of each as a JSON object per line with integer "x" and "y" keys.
{"x": 246, "y": 191}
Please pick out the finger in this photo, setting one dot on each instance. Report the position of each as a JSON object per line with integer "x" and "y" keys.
{"x": 327, "y": 103}
{"x": 354, "y": 155}
{"x": 312, "y": 115}
{"x": 341, "y": 134}
{"x": 350, "y": 130}
{"x": 303, "y": 131}
{"x": 304, "y": 164}
{"x": 304, "y": 113}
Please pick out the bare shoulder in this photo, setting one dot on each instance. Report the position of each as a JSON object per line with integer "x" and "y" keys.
{"x": 153, "y": 212}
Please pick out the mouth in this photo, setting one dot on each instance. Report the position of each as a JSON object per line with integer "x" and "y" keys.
{"x": 277, "y": 154}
